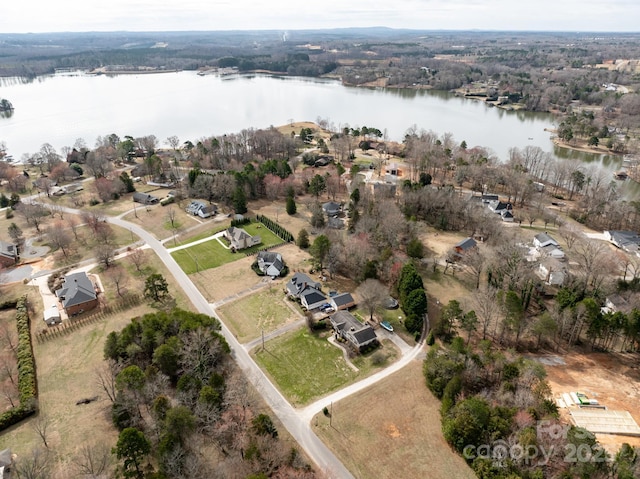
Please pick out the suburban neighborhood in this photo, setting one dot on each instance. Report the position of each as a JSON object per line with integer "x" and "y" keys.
{"x": 339, "y": 282}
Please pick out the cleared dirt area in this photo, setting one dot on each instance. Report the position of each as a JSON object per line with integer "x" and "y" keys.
{"x": 233, "y": 278}
{"x": 612, "y": 379}
{"x": 392, "y": 430}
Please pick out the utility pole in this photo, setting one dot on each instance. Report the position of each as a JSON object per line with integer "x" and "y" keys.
{"x": 331, "y": 414}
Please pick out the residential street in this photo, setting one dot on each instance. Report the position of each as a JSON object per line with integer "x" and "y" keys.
{"x": 297, "y": 421}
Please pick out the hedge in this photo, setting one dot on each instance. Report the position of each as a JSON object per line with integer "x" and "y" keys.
{"x": 26, "y": 371}
{"x": 275, "y": 228}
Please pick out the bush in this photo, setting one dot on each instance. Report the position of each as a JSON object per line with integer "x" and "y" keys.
{"x": 27, "y": 385}
{"x": 94, "y": 201}
{"x": 430, "y": 339}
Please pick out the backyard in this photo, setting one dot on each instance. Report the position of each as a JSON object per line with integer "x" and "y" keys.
{"x": 306, "y": 366}
{"x": 390, "y": 427}
{"x": 212, "y": 254}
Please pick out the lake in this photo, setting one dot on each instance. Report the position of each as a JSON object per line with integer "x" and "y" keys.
{"x": 58, "y": 109}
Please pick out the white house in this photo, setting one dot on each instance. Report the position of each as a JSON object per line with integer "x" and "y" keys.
{"x": 311, "y": 298}
{"x": 552, "y": 272}
{"x": 271, "y": 264}
{"x": 543, "y": 239}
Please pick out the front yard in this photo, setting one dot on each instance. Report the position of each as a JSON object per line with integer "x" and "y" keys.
{"x": 306, "y": 366}
{"x": 212, "y": 254}
{"x": 263, "y": 311}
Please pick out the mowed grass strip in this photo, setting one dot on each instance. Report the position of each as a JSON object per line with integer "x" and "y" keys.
{"x": 304, "y": 366}
{"x": 392, "y": 429}
{"x": 263, "y": 311}
{"x": 212, "y": 254}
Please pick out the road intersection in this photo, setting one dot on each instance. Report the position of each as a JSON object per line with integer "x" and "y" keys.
{"x": 297, "y": 421}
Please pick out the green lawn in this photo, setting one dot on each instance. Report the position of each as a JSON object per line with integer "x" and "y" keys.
{"x": 199, "y": 236}
{"x": 306, "y": 366}
{"x": 212, "y": 254}
{"x": 264, "y": 311}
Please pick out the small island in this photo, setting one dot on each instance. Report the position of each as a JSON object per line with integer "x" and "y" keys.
{"x": 5, "y": 105}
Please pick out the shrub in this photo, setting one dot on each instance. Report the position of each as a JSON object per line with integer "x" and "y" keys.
{"x": 27, "y": 385}
{"x": 430, "y": 339}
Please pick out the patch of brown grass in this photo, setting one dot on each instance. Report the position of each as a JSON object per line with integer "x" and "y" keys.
{"x": 391, "y": 430}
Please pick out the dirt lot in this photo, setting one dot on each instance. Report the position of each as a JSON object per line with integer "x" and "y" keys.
{"x": 232, "y": 278}
{"x": 612, "y": 379}
{"x": 392, "y": 430}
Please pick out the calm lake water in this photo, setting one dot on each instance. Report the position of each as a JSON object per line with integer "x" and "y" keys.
{"x": 58, "y": 109}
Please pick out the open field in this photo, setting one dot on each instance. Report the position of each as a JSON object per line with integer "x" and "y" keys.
{"x": 212, "y": 254}
{"x": 611, "y": 378}
{"x": 391, "y": 430}
{"x": 155, "y": 220}
{"x": 233, "y": 278}
{"x": 306, "y": 366}
{"x": 66, "y": 365}
{"x": 132, "y": 281}
{"x": 265, "y": 311}
{"x": 66, "y": 368}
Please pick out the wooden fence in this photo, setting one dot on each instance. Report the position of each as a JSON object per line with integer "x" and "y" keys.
{"x": 74, "y": 323}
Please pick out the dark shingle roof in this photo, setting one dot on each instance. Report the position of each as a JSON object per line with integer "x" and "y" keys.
{"x": 365, "y": 335}
{"x": 76, "y": 289}
{"x": 342, "y": 299}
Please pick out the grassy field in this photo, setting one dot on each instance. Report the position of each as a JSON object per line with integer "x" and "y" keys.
{"x": 306, "y": 366}
{"x": 212, "y": 254}
{"x": 66, "y": 368}
{"x": 263, "y": 311}
{"x": 66, "y": 365}
{"x": 392, "y": 429}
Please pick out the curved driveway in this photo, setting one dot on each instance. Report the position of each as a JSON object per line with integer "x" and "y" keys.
{"x": 297, "y": 422}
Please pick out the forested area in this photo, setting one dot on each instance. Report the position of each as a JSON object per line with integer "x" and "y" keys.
{"x": 182, "y": 407}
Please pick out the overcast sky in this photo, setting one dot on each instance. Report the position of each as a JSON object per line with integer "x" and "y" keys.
{"x": 156, "y": 15}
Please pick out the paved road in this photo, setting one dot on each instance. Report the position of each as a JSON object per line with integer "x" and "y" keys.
{"x": 295, "y": 424}
{"x": 297, "y": 421}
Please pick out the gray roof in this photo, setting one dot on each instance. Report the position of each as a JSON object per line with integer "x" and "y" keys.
{"x": 344, "y": 321}
{"x": 268, "y": 259}
{"x": 299, "y": 282}
{"x": 238, "y": 233}
{"x": 544, "y": 238}
{"x": 76, "y": 289}
{"x": 625, "y": 238}
{"x": 466, "y": 244}
{"x": 342, "y": 299}
{"x": 365, "y": 335}
{"x": 145, "y": 197}
{"x": 8, "y": 249}
{"x": 312, "y": 296}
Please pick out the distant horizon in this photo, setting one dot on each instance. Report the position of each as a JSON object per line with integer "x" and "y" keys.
{"x": 279, "y": 30}
{"x": 80, "y": 16}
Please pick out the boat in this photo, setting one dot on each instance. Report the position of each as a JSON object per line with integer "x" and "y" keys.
{"x": 620, "y": 175}
{"x": 387, "y": 325}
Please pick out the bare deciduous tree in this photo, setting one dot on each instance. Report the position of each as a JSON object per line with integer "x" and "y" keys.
{"x": 93, "y": 461}
{"x": 59, "y": 237}
{"x": 105, "y": 378}
{"x": 138, "y": 259}
{"x": 484, "y": 303}
{"x": 119, "y": 277}
{"x": 37, "y": 465}
{"x": 41, "y": 424}
{"x": 372, "y": 293}
{"x": 105, "y": 254}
